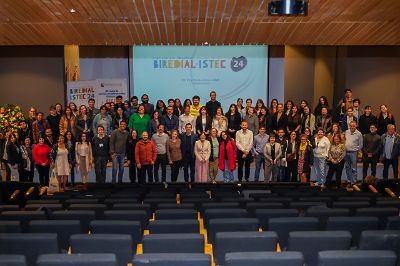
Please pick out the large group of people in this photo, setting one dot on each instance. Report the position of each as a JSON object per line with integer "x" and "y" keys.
{"x": 287, "y": 141}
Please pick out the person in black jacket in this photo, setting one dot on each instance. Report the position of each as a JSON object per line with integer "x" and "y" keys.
{"x": 130, "y": 154}
{"x": 234, "y": 120}
{"x": 188, "y": 139}
{"x": 366, "y": 120}
{"x": 101, "y": 154}
{"x": 203, "y": 122}
{"x": 54, "y": 121}
{"x": 13, "y": 156}
{"x": 213, "y": 104}
{"x": 24, "y": 132}
{"x": 371, "y": 150}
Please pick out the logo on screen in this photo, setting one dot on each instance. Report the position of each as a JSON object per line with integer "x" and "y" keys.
{"x": 238, "y": 63}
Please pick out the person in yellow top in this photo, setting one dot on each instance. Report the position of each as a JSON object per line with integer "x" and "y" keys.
{"x": 195, "y": 107}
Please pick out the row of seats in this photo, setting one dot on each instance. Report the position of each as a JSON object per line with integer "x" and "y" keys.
{"x": 309, "y": 244}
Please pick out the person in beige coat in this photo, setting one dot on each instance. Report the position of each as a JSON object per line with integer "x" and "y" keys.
{"x": 84, "y": 157}
{"x": 202, "y": 152}
{"x": 273, "y": 155}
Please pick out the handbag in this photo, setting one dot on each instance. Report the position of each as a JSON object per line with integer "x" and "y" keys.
{"x": 54, "y": 186}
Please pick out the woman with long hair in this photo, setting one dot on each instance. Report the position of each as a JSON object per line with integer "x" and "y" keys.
{"x": 303, "y": 103}
{"x": 59, "y": 109}
{"x": 383, "y": 119}
{"x": 219, "y": 121}
{"x": 273, "y": 106}
{"x": 26, "y": 169}
{"x": 74, "y": 108}
{"x": 291, "y": 158}
{"x": 203, "y": 122}
{"x": 294, "y": 122}
{"x": 67, "y": 121}
{"x": 174, "y": 154}
{"x": 202, "y": 151}
{"x": 70, "y": 143}
{"x": 161, "y": 108}
{"x": 14, "y": 156}
{"x": 305, "y": 159}
{"x": 307, "y": 120}
{"x": 234, "y": 120}
{"x": 259, "y": 105}
{"x": 336, "y": 155}
{"x": 130, "y": 155}
{"x": 288, "y": 107}
{"x": 279, "y": 119}
{"x": 61, "y": 161}
{"x": 214, "y": 155}
{"x": 83, "y": 123}
{"x": 117, "y": 118}
{"x": 335, "y": 130}
{"x": 187, "y": 102}
{"x": 153, "y": 124}
{"x": 178, "y": 107}
{"x": 84, "y": 157}
{"x": 322, "y": 102}
{"x": 227, "y": 157}
{"x": 239, "y": 106}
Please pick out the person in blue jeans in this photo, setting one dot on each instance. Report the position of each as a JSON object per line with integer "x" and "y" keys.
{"x": 260, "y": 140}
{"x": 118, "y": 140}
{"x": 353, "y": 144}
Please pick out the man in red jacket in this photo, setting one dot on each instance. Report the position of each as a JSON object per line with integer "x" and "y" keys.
{"x": 145, "y": 156}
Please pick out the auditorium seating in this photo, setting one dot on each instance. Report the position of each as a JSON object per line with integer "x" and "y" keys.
{"x": 77, "y": 259}
{"x": 264, "y": 258}
{"x": 120, "y": 245}
{"x": 357, "y": 257}
{"x": 311, "y": 242}
{"x": 183, "y": 226}
{"x": 228, "y": 242}
{"x": 13, "y": 260}
{"x": 176, "y": 259}
{"x": 30, "y": 245}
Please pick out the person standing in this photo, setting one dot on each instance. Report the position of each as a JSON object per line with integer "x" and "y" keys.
{"x": 14, "y": 156}
{"x": 279, "y": 119}
{"x": 160, "y": 140}
{"x": 213, "y": 104}
{"x": 38, "y": 127}
{"x": 219, "y": 122}
{"x": 145, "y": 156}
{"x": 291, "y": 158}
{"x": 83, "y": 123}
{"x": 139, "y": 120}
{"x": 203, "y": 122}
{"x": 26, "y": 169}
{"x": 244, "y": 143}
{"x": 348, "y": 119}
{"x": 148, "y": 107}
{"x": 214, "y": 155}
{"x": 84, "y": 157}
{"x": 134, "y": 105}
{"x": 153, "y": 124}
{"x": 70, "y": 143}
{"x": 336, "y": 155}
{"x": 234, "y": 120}
{"x": 61, "y": 161}
{"x": 273, "y": 155}
{"x": 54, "y": 121}
{"x": 252, "y": 120}
{"x": 130, "y": 155}
{"x": 371, "y": 150}
{"x": 101, "y": 154}
{"x": 324, "y": 120}
{"x": 283, "y": 141}
{"x": 67, "y": 122}
{"x": 227, "y": 156}
{"x": 185, "y": 118}
{"x": 321, "y": 150}
{"x": 307, "y": 120}
{"x": 366, "y": 120}
{"x": 384, "y": 119}
{"x": 260, "y": 140}
{"x": 354, "y": 143}
{"x": 92, "y": 110}
{"x": 305, "y": 159}
{"x": 24, "y": 132}
{"x": 195, "y": 107}
{"x": 174, "y": 154}
{"x": 41, "y": 158}
{"x": 202, "y": 151}
{"x": 188, "y": 140}
{"x": 104, "y": 119}
{"x": 170, "y": 121}
{"x": 118, "y": 140}
{"x": 390, "y": 152}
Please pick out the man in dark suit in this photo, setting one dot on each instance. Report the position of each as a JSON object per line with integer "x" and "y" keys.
{"x": 188, "y": 139}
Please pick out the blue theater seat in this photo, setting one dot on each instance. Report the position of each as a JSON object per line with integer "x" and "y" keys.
{"x": 120, "y": 245}
{"x": 133, "y": 207}
{"x": 231, "y": 225}
{"x": 83, "y": 216}
{"x": 4, "y": 208}
{"x": 265, "y": 214}
{"x": 28, "y": 244}
{"x": 380, "y": 240}
{"x": 174, "y": 226}
{"x": 98, "y": 208}
{"x": 283, "y": 226}
{"x": 228, "y": 242}
{"x": 175, "y": 214}
{"x": 13, "y": 260}
{"x": 310, "y": 243}
{"x": 393, "y": 223}
{"x": 36, "y": 206}
{"x": 63, "y": 228}
{"x": 10, "y": 227}
{"x": 24, "y": 217}
{"x": 132, "y": 228}
{"x": 173, "y": 243}
{"x": 381, "y": 213}
{"x": 175, "y": 259}
{"x": 324, "y": 213}
{"x": 97, "y": 259}
{"x": 223, "y": 213}
{"x": 357, "y": 257}
{"x": 139, "y": 215}
{"x": 264, "y": 259}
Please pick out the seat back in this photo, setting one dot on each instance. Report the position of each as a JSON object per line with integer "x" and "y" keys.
{"x": 139, "y": 215}
{"x": 133, "y": 228}
{"x": 176, "y": 259}
{"x": 231, "y": 225}
{"x": 10, "y": 227}
{"x": 85, "y": 217}
{"x": 98, "y": 259}
{"x": 264, "y": 258}
{"x": 24, "y": 217}
{"x": 357, "y": 257}
{"x": 13, "y": 260}
{"x": 265, "y": 214}
{"x": 380, "y": 240}
{"x": 173, "y": 243}
{"x": 174, "y": 226}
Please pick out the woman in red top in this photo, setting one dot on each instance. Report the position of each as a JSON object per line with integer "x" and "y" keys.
{"x": 227, "y": 157}
{"x": 41, "y": 157}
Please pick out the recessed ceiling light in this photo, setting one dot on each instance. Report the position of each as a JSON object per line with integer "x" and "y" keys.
{"x": 72, "y": 10}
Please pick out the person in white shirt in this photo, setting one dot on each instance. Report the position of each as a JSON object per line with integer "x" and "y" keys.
{"x": 321, "y": 151}
{"x": 186, "y": 118}
{"x": 244, "y": 144}
{"x": 354, "y": 143}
